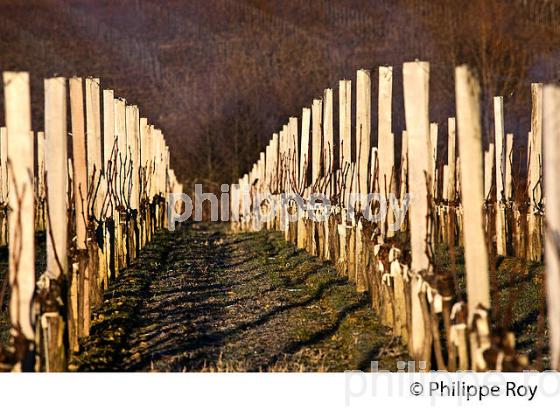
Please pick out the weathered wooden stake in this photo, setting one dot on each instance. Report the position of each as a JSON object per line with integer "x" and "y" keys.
{"x": 467, "y": 93}
{"x": 500, "y": 147}
{"x": 386, "y": 143}
{"x": 534, "y": 186}
{"x": 4, "y": 183}
{"x": 110, "y": 173}
{"x": 404, "y": 166}
{"x": 316, "y": 151}
{"x": 345, "y": 122}
{"x": 56, "y": 164}
{"x": 21, "y": 227}
{"x": 509, "y": 165}
{"x": 328, "y": 140}
{"x": 488, "y": 171}
{"x": 551, "y": 137}
{"x": 363, "y": 128}
{"x": 433, "y": 159}
{"x": 80, "y": 265}
{"x": 416, "y": 76}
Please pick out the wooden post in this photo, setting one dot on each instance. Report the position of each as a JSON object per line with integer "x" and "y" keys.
{"x": 108, "y": 130}
{"x": 499, "y": 137}
{"x": 120, "y": 182}
{"x": 445, "y": 184}
{"x": 132, "y": 136}
{"x": 4, "y": 183}
{"x": 75, "y": 322}
{"x": 328, "y": 140}
{"x": 132, "y": 152}
{"x": 451, "y": 159}
{"x": 316, "y": 118}
{"x": 97, "y": 188}
{"x": 500, "y": 147}
{"x": 416, "y": 76}
{"x": 120, "y": 135}
{"x": 404, "y": 166}
{"x": 534, "y": 174}
{"x": 303, "y": 172}
{"x": 143, "y": 172}
{"x": 470, "y": 147}
{"x": 93, "y": 135}
{"x": 328, "y": 161}
{"x": 488, "y": 171}
{"x": 363, "y": 128}
{"x": 21, "y": 228}
{"x": 304, "y": 159}
{"x": 79, "y": 161}
{"x": 551, "y": 136}
{"x": 385, "y": 142}
{"x": 467, "y": 93}
{"x": 56, "y": 164}
{"x": 3, "y": 165}
{"x": 509, "y": 164}
{"x": 433, "y": 159}
{"x": 110, "y": 174}
{"x": 345, "y": 122}
{"x": 293, "y": 142}
{"x": 40, "y": 208}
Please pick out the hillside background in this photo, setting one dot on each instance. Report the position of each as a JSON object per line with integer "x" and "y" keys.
{"x": 220, "y": 76}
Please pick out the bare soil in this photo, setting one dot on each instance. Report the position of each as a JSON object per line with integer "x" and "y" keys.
{"x": 203, "y": 299}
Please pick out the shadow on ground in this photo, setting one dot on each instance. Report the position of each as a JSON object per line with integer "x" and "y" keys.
{"x": 205, "y": 299}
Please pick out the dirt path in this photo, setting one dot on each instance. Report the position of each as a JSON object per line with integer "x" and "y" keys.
{"x": 205, "y": 299}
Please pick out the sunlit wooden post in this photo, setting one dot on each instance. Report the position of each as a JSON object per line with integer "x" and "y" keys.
{"x": 445, "y": 183}
{"x": 93, "y": 138}
{"x": 293, "y": 158}
{"x": 551, "y": 137}
{"x": 303, "y": 172}
{"x": 345, "y": 160}
{"x": 110, "y": 172}
{"x": 120, "y": 182}
{"x": 433, "y": 159}
{"x": 363, "y": 128}
{"x": 143, "y": 173}
{"x": 97, "y": 188}
{"x": 534, "y": 175}
{"x": 80, "y": 265}
{"x": 153, "y": 178}
{"x": 56, "y": 164}
{"x": 274, "y": 165}
{"x": 328, "y": 161}
{"x": 21, "y": 227}
{"x": 3, "y": 186}
{"x": 293, "y": 141}
{"x": 416, "y": 76}
{"x": 40, "y": 208}
{"x": 79, "y": 161}
{"x": 488, "y": 171}
{"x": 363, "y": 148}
{"x": 451, "y": 159}
{"x": 509, "y": 164}
{"x": 500, "y": 148}
{"x": 316, "y": 156}
{"x": 345, "y": 122}
{"x": 386, "y": 143}
{"x": 467, "y": 93}
{"x": 404, "y": 167}
{"x": 328, "y": 139}
{"x": 133, "y": 192}
{"x": 316, "y": 138}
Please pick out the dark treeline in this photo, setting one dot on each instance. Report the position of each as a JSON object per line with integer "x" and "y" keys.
{"x": 220, "y": 76}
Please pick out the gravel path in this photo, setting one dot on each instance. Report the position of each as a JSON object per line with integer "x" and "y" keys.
{"x": 205, "y": 299}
